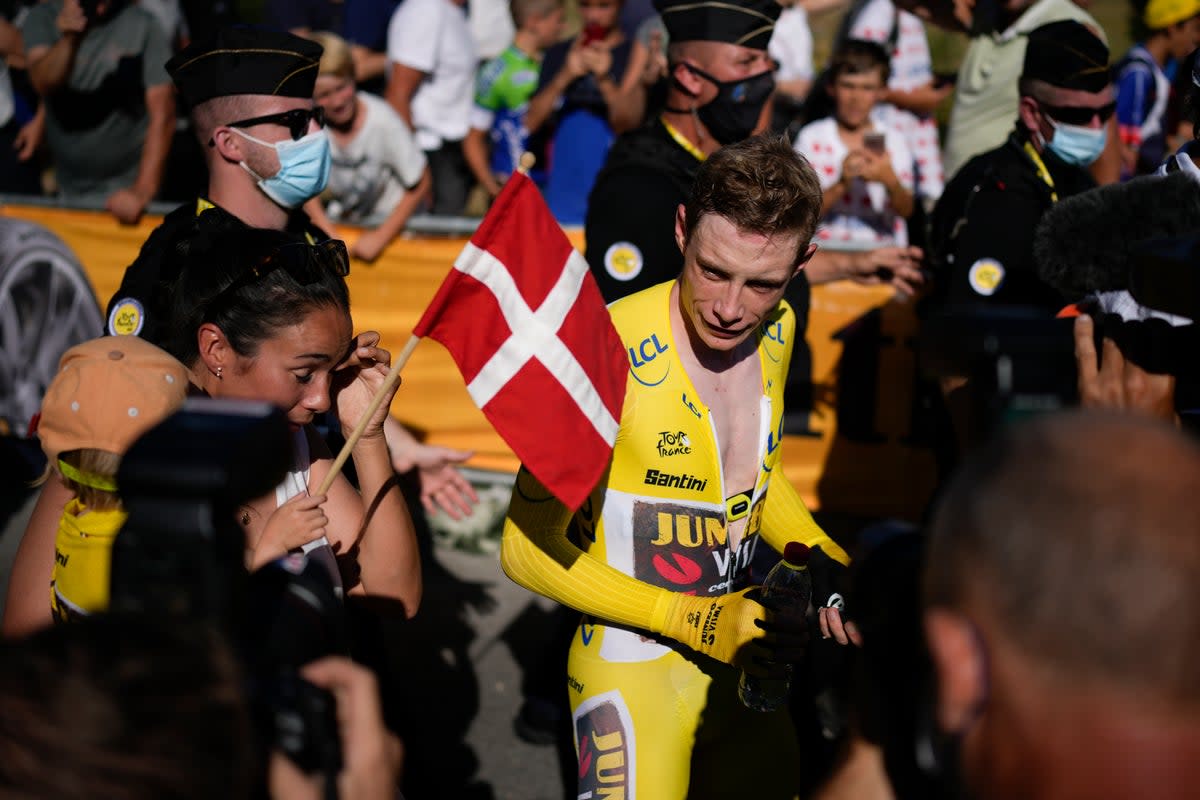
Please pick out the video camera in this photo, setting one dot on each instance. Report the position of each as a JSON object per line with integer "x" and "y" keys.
{"x": 181, "y": 556}
{"x": 1016, "y": 361}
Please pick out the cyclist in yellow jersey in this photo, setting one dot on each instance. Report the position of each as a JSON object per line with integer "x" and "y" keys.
{"x": 657, "y": 558}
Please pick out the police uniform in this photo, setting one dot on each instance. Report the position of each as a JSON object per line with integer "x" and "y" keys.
{"x": 983, "y": 224}
{"x": 142, "y": 304}
{"x": 236, "y": 61}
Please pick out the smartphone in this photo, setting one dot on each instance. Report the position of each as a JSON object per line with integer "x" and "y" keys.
{"x": 593, "y": 33}
{"x": 873, "y": 141}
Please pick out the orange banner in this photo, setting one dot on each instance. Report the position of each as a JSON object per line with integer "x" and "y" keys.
{"x": 860, "y": 454}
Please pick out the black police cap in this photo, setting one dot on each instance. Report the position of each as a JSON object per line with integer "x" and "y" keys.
{"x": 246, "y": 60}
{"x": 748, "y": 23}
{"x": 1067, "y": 55}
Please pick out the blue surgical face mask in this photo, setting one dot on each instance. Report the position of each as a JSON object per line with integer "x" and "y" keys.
{"x": 303, "y": 168}
{"x": 1075, "y": 144}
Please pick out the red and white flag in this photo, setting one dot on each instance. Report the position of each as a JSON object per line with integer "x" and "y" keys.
{"x": 524, "y": 321}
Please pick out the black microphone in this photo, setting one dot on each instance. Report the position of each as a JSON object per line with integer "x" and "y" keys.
{"x": 1088, "y": 242}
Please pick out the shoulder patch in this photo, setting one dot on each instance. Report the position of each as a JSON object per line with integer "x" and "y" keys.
{"x": 623, "y": 261}
{"x": 127, "y": 318}
{"x": 985, "y": 276}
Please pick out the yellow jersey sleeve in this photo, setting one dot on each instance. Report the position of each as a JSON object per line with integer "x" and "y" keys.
{"x": 787, "y": 519}
{"x": 536, "y": 553}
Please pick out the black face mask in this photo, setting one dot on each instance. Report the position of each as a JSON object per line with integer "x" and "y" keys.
{"x": 734, "y": 112}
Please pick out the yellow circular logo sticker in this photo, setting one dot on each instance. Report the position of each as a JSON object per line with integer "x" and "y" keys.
{"x": 986, "y": 276}
{"x": 623, "y": 261}
{"x": 127, "y": 318}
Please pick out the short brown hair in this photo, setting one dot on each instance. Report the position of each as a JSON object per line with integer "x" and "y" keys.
{"x": 1074, "y": 536}
{"x": 525, "y": 10}
{"x": 761, "y": 185}
{"x": 858, "y": 57}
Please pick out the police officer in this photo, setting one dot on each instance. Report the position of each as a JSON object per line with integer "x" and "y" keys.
{"x": 984, "y": 223}
{"x": 719, "y": 80}
{"x": 249, "y": 92}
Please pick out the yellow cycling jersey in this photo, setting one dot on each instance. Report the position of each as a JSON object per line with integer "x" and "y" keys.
{"x": 659, "y": 516}
{"x": 83, "y": 561}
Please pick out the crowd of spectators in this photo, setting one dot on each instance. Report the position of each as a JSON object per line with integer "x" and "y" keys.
{"x": 366, "y": 113}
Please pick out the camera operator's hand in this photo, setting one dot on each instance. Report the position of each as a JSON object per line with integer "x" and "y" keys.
{"x": 294, "y": 524}
{"x": 356, "y": 381}
{"x": 1117, "y": 383}
{"x": 371, "y": 754}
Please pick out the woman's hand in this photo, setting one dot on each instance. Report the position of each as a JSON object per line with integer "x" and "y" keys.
{"x": 357, "y": 380}
{"x": 294, "y": 524}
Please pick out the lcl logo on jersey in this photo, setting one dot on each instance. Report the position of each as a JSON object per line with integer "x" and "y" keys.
{"x": 774, "y": 343}
{"x": 641, "y": 361}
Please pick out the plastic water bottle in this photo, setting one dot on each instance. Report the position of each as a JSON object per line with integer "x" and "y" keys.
{"x": 788, "y": 588}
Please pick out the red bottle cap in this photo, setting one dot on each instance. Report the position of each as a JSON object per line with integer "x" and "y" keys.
{"x": 796, "y": 553}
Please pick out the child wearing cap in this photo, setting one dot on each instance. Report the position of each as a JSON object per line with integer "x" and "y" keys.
{"x": 1143, "y": 87}
{"x": 107, "y": 393}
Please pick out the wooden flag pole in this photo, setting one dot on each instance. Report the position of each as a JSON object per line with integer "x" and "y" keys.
{"x": 351, "y": 440}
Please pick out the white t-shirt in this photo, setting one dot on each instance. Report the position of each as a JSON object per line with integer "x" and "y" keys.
{"x": 368, "y": 175}
{"x": 864, "y": 216}
{"x": 491, "y": 26}
{"x": 792, "y": 45}
{"x": 433, "y": 36}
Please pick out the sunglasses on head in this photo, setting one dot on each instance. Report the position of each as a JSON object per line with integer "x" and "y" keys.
{"x": 296, "y": 120}
{"x": 305, "y": 263}
{"x": 1078, "y": 115}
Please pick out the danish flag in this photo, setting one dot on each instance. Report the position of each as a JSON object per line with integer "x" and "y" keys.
{"x": 522, "y": 317}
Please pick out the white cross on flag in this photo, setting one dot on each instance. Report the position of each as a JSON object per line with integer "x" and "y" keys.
{"x": 524, "y": 321}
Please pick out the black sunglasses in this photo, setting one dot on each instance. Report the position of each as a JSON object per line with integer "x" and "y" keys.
{"x": 296, "y": 120}
{"x": 306, "y": 263}
{"x": 1078, "y": 115}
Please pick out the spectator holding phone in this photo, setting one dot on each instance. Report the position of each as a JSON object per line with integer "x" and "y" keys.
{"x": 586, "y": 93}
{"x": 110, "y": 108}
{"x": 913, "y": 92}
{"x": 866, "y": 172}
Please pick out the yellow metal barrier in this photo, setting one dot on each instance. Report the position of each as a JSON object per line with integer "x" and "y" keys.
{"x": 859, "y": 457}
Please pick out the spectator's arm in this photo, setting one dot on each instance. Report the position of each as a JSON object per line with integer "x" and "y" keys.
{"x": 475, "y": 150}
{"x": 368, "y": 63}
{"x": 371, "y": 243}
{"x": 627, "y": 105}
{"x": 898, "y": 266}
{"x": 835, "y": 192}
{"x": 542, "y": 104}
{"x": 401, "y": 88}
{"x": 442, "y": 485}
{"x": 128, "y": 204}
{"x": 29, "y": 138}
{"x": 50, "y": 65}
{"x": 795, "y": 88}
{"x": 27, "y": 604}
{"x": 316, "y": 214}
{"x": 921, "y": 100}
